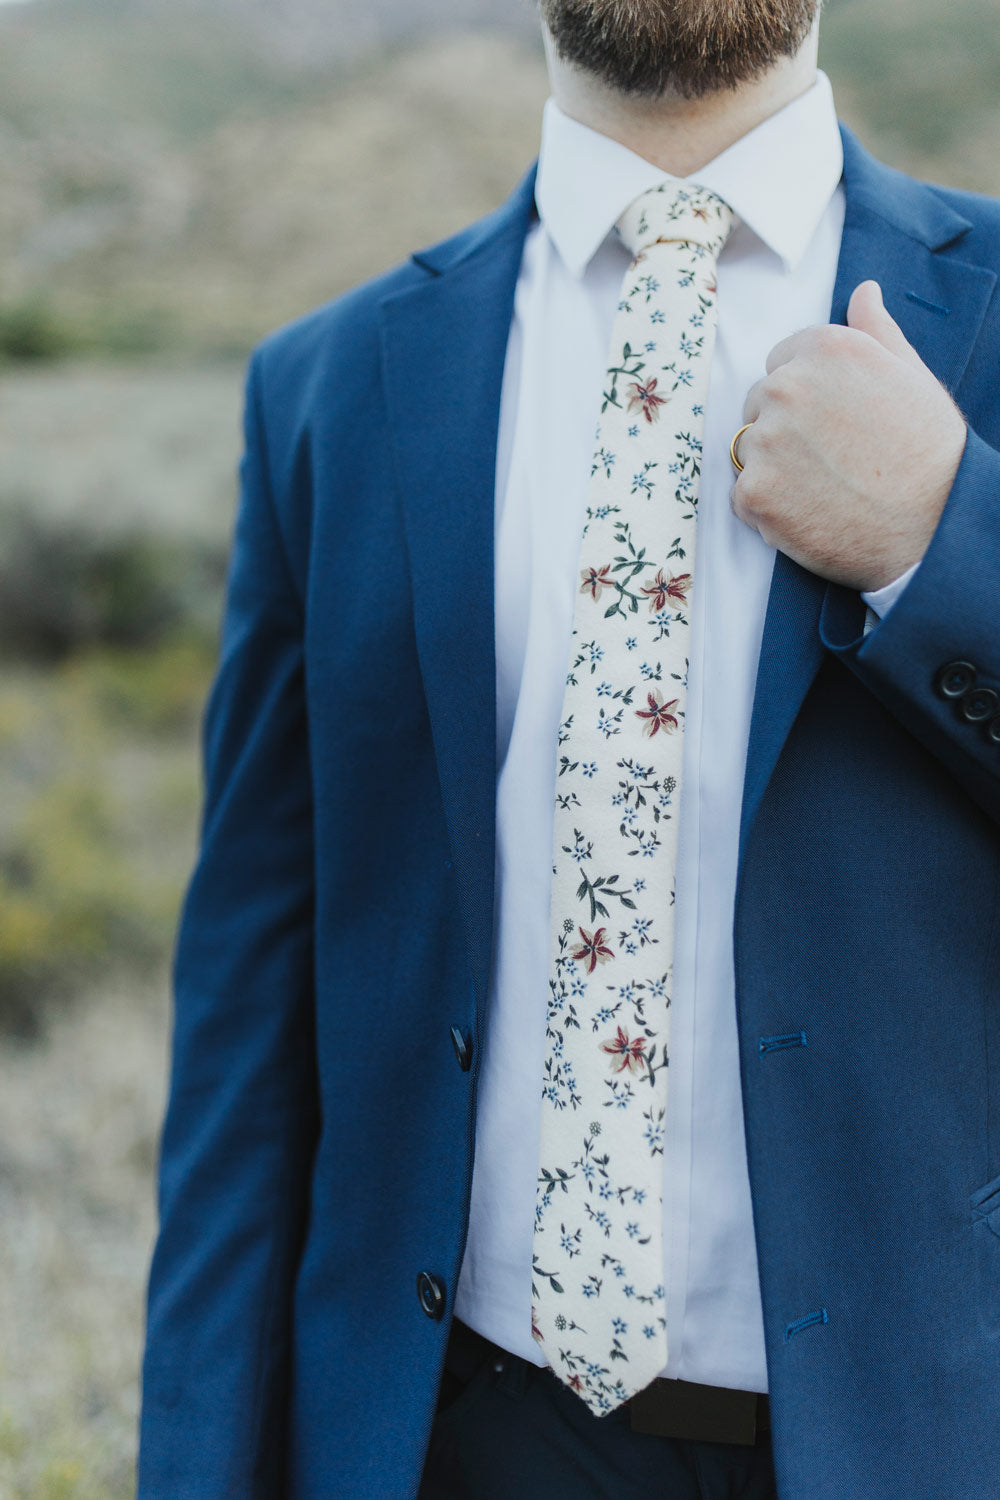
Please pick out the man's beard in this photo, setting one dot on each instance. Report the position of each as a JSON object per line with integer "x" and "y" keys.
{"x": 647, "y": 48}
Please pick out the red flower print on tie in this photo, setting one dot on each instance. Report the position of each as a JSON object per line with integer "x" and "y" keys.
{"x": 661, "y": 589}
{"x": 646, "y": 397}
{"x": 593, "y": 950}
{"x": 625, "y": 1055}
{"x": 596, "y": 579}
{"x": 659, "y": 715}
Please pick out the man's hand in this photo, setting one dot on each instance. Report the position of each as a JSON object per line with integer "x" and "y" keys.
{"x": 854, "y": 449}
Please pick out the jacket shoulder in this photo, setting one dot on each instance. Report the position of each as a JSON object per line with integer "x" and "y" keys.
{"x": 346, "y": 327}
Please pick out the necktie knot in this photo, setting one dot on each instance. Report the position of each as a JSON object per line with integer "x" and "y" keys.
{"x": 675, "y": 213}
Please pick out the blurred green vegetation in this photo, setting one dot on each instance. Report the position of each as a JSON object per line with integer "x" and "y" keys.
{"x": 178, "y": 70}
{"x": 70, "y": 1468}
{"x": 174, "y": 181}
{"x": 31, "y": 330}
{"x": 108, "y": 642}
{"x": 96, "y": 833}
{"x": 921, "y": 78}
{"x": 37, "y": 329}
{"x": 65, "y": 585}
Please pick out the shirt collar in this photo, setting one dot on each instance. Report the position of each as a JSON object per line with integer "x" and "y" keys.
{"x": 779, "y": 179}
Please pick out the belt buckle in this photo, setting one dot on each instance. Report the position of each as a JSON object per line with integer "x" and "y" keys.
{"x": 684, "y": 1411}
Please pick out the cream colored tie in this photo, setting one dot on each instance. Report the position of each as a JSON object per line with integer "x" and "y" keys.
{"x": 598, "y": 1299}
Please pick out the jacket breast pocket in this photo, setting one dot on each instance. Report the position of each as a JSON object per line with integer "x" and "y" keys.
{"x": 985, "y": 1205}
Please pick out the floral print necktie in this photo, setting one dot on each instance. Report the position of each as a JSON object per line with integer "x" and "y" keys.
{"x": 598, "y": 1298}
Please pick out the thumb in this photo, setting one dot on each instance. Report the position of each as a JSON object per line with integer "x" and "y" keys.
{"x": 866, "y": 312}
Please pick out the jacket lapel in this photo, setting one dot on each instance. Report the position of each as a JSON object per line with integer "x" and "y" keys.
{"x": 444, "y": 343}
{"x": 894, "y": 232}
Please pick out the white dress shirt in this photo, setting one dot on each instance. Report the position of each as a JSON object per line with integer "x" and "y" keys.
{"x": 775, "y": 276}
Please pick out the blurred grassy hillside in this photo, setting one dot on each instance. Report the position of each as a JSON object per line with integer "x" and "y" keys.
{"x": 177, "y": 177}
{"x": 169, "y": 182}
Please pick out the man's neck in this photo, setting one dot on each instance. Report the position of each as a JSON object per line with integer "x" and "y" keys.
{"x": 681, "y": 135}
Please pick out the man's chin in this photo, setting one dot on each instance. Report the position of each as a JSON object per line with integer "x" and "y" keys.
{"x": 648, "y": 49}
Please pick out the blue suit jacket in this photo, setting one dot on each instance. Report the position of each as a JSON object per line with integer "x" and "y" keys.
{"x": 318, "y": 1144}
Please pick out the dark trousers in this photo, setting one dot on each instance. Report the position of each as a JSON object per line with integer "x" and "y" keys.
{"x": 515, "y": 1432}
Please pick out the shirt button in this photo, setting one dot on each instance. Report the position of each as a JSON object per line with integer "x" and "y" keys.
{"x": 462, "y": 1043}
{"x": 978, "y": 705}
{"x": 955, "y": 679}
{"x": 431, "y": 1296}
{"x": 993, "y": 730}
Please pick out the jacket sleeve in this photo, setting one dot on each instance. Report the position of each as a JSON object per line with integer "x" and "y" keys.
{"x": 948, "y": 614}
{"x": 242, "y": 1117}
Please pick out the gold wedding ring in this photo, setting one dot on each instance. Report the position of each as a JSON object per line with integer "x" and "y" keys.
{"x": 732, "y": 447}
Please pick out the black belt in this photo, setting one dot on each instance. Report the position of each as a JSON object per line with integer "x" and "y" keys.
{"x": 676, "y": 1409}
{"x": 700, "y": 1413}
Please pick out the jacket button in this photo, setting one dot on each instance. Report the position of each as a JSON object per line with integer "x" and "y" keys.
{"x": 993, "y": 730}
{"x": 462, "y": 1043}
{"x": 955, "y": 679}
{"x": 979, "y": 705}
{"x": 431, "y": 1295}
